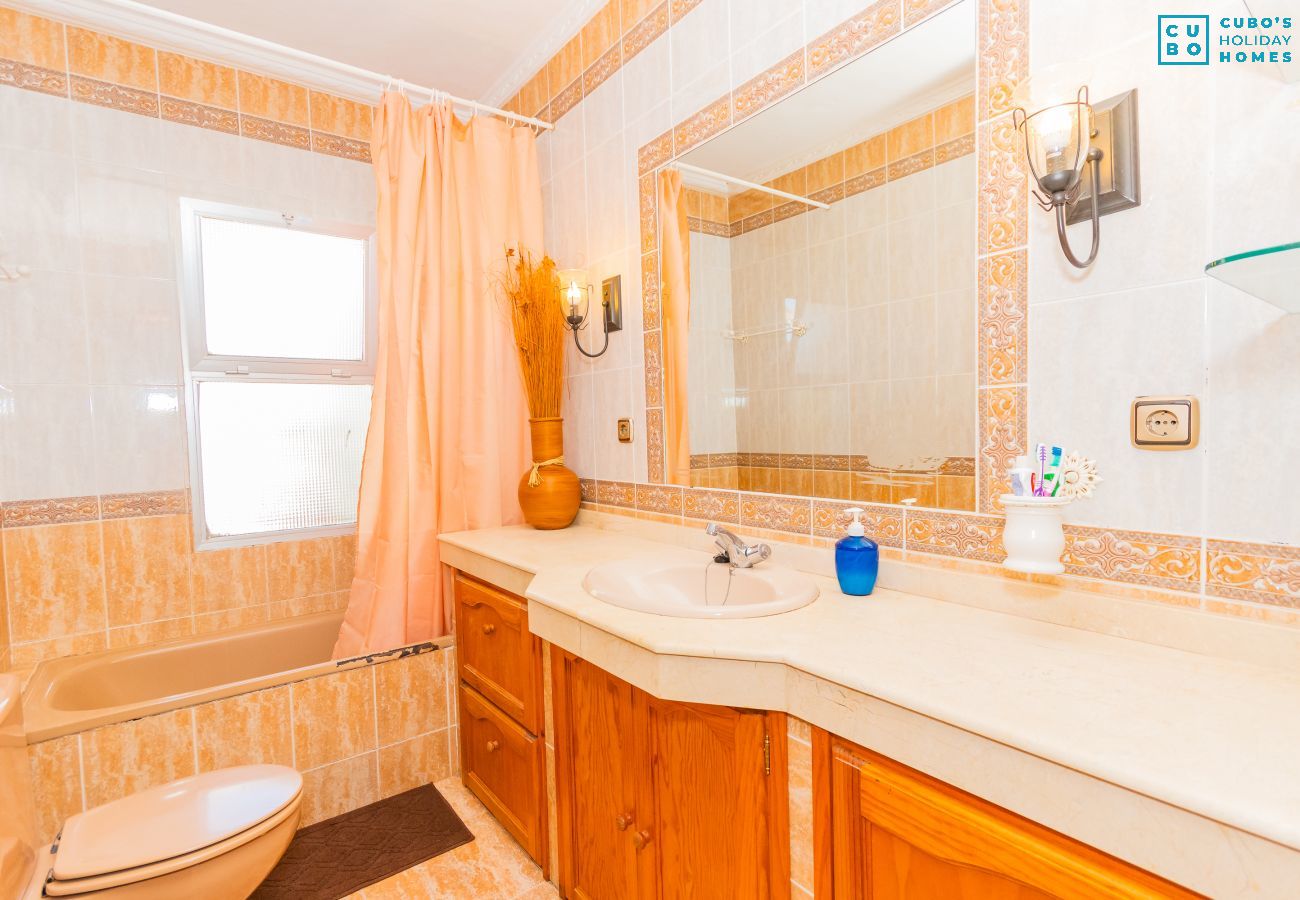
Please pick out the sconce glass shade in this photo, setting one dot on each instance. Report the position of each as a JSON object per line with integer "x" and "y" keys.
{"x": 1057, "y": 140}
{"x": 575, "y": 292}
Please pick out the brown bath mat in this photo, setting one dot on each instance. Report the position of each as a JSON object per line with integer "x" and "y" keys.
{"x": 331, "y": 859}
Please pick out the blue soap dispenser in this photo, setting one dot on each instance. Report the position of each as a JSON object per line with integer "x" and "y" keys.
{"x": 857, "y": 558}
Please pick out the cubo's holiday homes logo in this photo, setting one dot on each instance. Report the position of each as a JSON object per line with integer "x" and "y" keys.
{"x": 1186, "y": 40}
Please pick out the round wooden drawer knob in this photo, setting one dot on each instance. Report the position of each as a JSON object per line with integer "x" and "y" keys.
{"x": 493, "y": 746}
{"x": 640, "y": 839}
{"x": 489, "y": 629}
{"x": 623, "y": 822}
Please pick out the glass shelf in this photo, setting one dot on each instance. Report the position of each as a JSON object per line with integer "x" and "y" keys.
{"x": 1271, "y": 274}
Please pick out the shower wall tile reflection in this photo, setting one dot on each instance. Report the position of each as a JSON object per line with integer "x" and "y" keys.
{"x": 874, "y": 402}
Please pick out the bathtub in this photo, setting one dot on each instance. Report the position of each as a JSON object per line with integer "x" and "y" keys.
{"x": 73, "y": 694}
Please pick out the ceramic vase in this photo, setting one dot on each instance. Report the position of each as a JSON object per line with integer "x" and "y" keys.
{"x": 552, "y": 502}
{"x": 1034, "y": 537}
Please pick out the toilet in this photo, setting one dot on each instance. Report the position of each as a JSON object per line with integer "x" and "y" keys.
{"x": 214, "y": 836}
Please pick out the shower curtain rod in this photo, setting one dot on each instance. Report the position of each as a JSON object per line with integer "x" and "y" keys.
{"x": 139, "y": 12}
{"x": 686, "y": 167}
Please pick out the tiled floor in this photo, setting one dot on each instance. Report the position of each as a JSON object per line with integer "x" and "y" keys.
{"x": 490, "y": 866}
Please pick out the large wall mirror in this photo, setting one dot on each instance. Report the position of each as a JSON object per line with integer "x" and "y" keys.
{"x": 832, "y": 351}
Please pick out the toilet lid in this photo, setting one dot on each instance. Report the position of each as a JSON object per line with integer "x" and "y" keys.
{"x": 172, "y": 819}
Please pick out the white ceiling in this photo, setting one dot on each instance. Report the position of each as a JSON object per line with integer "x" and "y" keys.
{"x": 468, "y": 48}
{"x": 921, "y": 69}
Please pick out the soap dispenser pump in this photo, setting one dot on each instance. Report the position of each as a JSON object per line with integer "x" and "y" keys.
{"x": 857, "y": 558}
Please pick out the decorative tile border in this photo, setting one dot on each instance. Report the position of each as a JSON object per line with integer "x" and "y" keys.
{"x": 33, "y": 78}
{"x": 853, "y": 38}
{"x": 1157, "y": 560}
{"x": 66, "y": 510}
{"x": 1261, "y": 573}
{"x": 143, "y": 97}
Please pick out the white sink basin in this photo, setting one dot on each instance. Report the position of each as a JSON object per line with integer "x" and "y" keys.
{"x": 699, "y": 590}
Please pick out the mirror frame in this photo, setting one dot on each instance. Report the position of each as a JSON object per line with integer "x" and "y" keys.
{"x": 1001, "y": 266}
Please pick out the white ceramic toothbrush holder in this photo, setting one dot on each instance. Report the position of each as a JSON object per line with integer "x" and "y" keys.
{"x": 1034, "y": 536}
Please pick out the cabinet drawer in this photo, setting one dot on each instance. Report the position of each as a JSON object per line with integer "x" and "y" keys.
{"x": 503, "y": 765}
{"x": 498, "y": 656}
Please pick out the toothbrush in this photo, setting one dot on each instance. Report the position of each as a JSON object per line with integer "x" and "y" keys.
{"x": 1042, "y": 469}
{"x": 1052, "y": 480}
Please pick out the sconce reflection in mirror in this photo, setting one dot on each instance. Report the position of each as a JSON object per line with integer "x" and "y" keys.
{"x": 575, "y": 299}
{"x": 1063, "y": 138}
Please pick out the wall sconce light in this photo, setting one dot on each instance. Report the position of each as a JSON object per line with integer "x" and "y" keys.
{"x": 575, "y": 299}
{"x": 1061, "y": 139}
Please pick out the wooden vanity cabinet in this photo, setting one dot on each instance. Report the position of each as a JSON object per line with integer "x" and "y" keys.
{"x": 658, "y": 799}
{"x": 502, "y": 752}
{"x": 897, "y": 833}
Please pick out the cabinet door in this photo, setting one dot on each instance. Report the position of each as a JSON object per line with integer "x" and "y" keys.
{"x": 713, "y": 793}
{"x": 596, "y": 759}
{"x": 498, "y": 656}
{"x": 898, "y": 833}
{"x": 503, "y": 765}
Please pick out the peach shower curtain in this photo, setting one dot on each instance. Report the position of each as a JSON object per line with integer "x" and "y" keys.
{"x": 448, "y": 425}
{"x": 675, "y": 307}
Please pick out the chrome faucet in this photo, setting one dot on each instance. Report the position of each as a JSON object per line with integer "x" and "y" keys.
{"x": 735, "y": 552}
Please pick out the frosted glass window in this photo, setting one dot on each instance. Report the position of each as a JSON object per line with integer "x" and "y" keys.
{"x": 280, "y": 456}
{"x": 272, "y": 291}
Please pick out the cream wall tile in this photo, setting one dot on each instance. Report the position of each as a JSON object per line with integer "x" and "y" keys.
{"x": 644, "y": 79}
{"x": 613, "y": 400}
{"x": 579, "y": 424}
{"x": 1093, "y": 356}
{"x": 343, "y": 190}
{"x": 1253, "y": 373}
{"x": 699, "y": 59}
{"x": 41, "y": 225}
{"x": 955, "y": 334}
{"x": 43, "y": 330}
{"x": 48, "y": 441}
{"x": 139, "y": 439}
{"x": 607, "y": 191}
{"x": 763, "y": 34}
{"x": 104, "y": 135}
{"x": 35, "y": 121}
{"x": 134, "y": 330}
{"x": 124, "y": 222}
{"x": 912, "y": 257}
{"x": 201, "y": 153}
{"x": 912, "y": 337}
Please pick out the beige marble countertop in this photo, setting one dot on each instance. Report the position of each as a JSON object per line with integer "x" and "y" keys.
{"x": 1214, "y": 736}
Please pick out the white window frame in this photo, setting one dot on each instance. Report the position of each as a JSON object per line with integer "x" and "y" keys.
{"x": 203, "y": 366}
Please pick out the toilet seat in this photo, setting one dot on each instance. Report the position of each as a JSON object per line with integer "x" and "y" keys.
{"x": 171, "y": 827}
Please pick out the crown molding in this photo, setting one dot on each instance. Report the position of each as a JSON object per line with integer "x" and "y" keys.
{"x": 166, "y": 31}
{"x": 563, "y": 27}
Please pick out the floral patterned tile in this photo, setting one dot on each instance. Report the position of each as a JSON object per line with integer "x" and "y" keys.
{"x": 968, "y": 535}
{"x": 1158, "y": 560}
{"x": 768, "y": 87}
{"x": 853, "y": 38}
{"x": 884, "y": 523}
{"x": 1003, "y": 319}
{"x": 1262, "y": 573}
{"x": 711, "y": 505}
{"x": 790, "y": 514}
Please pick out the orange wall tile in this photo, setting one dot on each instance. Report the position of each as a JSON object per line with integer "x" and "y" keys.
{"x": 865, "y": 157}
{"x": 635, "y": 10}
{"x": 420, "y": 760}
{"x": 911, "y": 137}
{"x": 601, "y": 32}
{"x": 56, "y": 784}
{"x": 198, "y": 80}
{"x": 31, "y": 39}
{"x": 825, "y": 172}
{"x": 228, "y": 579}
{"x": 244, "y": 730}
{"x": 333, "y": 718}
{"x": 147, "y": 569}
{"x": 337, "y": 115}
{"x": 270, "y": 98}
{"x": 299, "y": 568}
{"x": 55, "y": 580}
{"x": 133, "y": 756}
{"x": 535, "y": 93}
{"x": 107, "y": 58}
{"x": 565, "y": 66}
{"x": 954, "y": 120}
{"x": 339, "y": 787}
{"x": 412, "y": 696}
